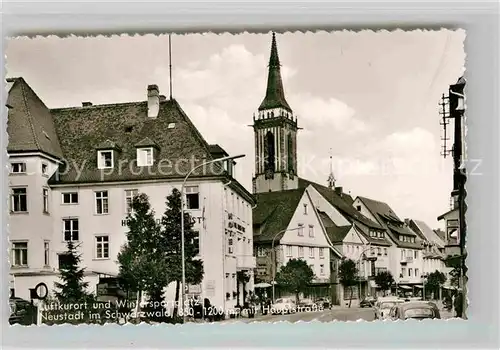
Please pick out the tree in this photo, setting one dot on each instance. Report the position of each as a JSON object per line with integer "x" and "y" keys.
{"x": 435, "y": 281}
{"x": 171, "y": 244}
{"x": 384, "y": 280}
{"x": 142, "y": 262}
{"x": 348, "y": 275}
{"x": 295, "y": 276}
{"x": 72, "y": 288}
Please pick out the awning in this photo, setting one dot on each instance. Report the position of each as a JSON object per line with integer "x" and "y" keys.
{"x": 419, "y": 286}
{"x": 262, "y": 285}
{"x": 405, "y": 287}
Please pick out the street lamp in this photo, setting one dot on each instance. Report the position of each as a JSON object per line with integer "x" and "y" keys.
{"x": 183, "y": 294}
{"x": 274, "y": 254}
{"x": 358, "y": 262}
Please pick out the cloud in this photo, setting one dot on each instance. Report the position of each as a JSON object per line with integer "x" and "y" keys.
{"x": 220, "y": 95}
{"x": 404, "y": 169}
{"x": 315, "y": 112}
{"x": 232, "y": 75}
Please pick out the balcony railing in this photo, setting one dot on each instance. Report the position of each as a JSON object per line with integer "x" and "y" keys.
{"x": 407, "y": 259}
{"x": 245, "y": 262}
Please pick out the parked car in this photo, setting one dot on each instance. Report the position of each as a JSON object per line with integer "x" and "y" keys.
{"x": 324, "y": 302}
{"x": 418, "y": 310}
{"x": 283, "y": 306}
{"x": 414, "y": 299}
{"x": 21, "y": 311}
{"x": 309, "y": 303}
{"x": 383, "y": 307}
{"x": 368, "y": 302}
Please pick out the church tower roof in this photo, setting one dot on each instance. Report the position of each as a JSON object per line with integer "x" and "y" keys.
{"x": 275, "y": 94}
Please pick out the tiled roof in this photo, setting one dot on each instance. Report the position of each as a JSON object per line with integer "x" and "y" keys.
{"x": 29, "y": 126}
{"x": 344, "y": 205}
{"x": 348, "y": 198}
{"x": 383, "y": 210}
{"x": 365, "y": 232}
{"x": 441, "y": 234}
{"x": 273, "y": 213}
{"x": 441, "y": 217}
{"x": 416, "y": 229}
{"x": 402, "y": 244}
{"x": 147, "y": 142}
{"x": 75, "y": 134}
{"x": 83, "y": 130}
{"x": 429, "y": 234}
{"x": 275, "y": 94}
{"x": 403, "y": 230}
{"x": 108, "y": 145}
{"x": 388, "y": 218}
{"x": 335, "y": 233}
{"x": 341, "y": 204}
{"x": 217, "y": 151}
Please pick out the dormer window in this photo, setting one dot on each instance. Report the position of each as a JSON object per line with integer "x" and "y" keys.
{"x": 105, "y": 159}
{"x": 145, "y": 156}
{"x": 107, "y": 152}
{"x": 147, "y": 150}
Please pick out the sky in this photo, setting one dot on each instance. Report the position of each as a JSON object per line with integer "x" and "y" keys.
{"x": 367, "y": 99}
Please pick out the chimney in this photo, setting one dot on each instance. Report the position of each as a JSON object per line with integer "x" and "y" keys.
{"x": 407, "y": 222}
{"x": 153, "y": 101}
{"x": 338, "y": 190}
{"x": 163, "y": 98}
{"x": 86, "y": 104}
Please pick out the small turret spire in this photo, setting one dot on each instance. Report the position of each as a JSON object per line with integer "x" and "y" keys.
{"x": 331, "y": 177}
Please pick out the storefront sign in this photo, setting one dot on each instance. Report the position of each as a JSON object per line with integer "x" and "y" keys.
{"x": 194, "y": 289}
{"x": 195, "y": 220}
{"x": 40, "y": 292}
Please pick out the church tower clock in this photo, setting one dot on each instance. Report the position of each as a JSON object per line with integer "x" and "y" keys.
{"x": 275, "y": 130}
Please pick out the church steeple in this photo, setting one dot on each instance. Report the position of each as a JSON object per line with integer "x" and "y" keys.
{"x": 275, "y": 94}
{"x": 275, "y": 128}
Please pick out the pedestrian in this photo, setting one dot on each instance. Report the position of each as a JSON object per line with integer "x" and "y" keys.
{"x": 207, "y": 309}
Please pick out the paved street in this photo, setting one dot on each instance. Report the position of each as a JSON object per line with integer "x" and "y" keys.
{"x": 335, "y": 314}
{"x": 339, "y": 314}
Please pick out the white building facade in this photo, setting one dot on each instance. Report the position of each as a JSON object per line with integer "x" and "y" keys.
{"x": 405, "y": 258}
{"x": 62, "y": 189}
{"x": 305, "y": 239}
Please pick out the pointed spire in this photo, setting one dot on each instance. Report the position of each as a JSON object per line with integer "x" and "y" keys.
{"x": 275, "y": 94}
{"x": 274, "y": 60}
{"x": 331, "y": 178}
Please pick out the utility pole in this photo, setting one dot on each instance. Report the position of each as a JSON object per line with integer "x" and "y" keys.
{"x": 456, "y": 99}
{"x": 457, "y": 111}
